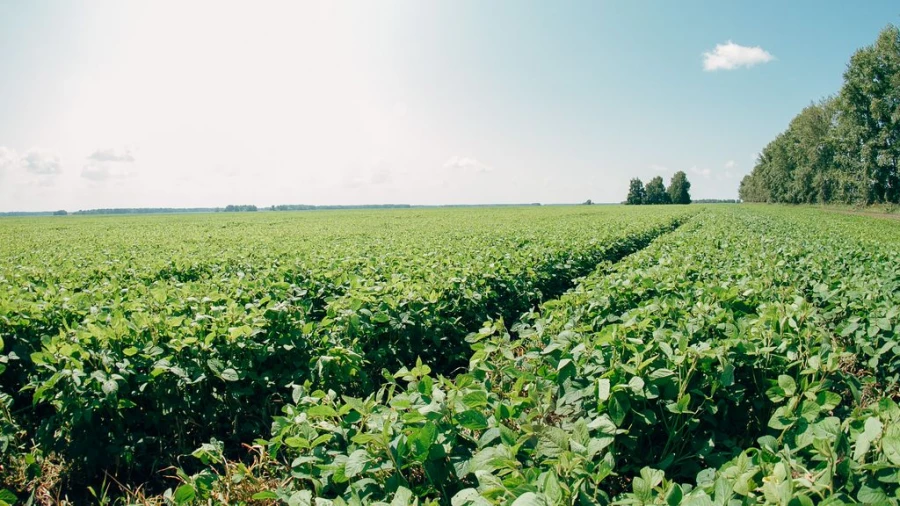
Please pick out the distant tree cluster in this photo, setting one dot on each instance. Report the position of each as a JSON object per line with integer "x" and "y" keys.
{"x": 844, "y": 149}
{"x": 61, "y": 212}
{"x": 306, "y": 207}
{"x": 656, "y": 193}
{"x": 149, "y": 210}
{"x": 230, "y": 208}
{"x": 18, "y": 214}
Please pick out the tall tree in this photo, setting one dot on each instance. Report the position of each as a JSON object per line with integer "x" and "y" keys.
{"x": 655, "y": 192}
{"x": 844, "y": 148}
{"x": 679, "y": 189}
{"x": 635, "y": 192}
{"x": 870, "y": 116}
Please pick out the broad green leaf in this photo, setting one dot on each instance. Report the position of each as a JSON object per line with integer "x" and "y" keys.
{"x": 472, "y": 420}
{"x": 184, "y": 494}
{"x": 356, "y": 463}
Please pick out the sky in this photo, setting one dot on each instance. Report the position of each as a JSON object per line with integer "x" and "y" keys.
{"x": 194, "y": 104}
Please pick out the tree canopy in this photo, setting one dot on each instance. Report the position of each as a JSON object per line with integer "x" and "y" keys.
{"x": 656, "y": 193}
{"x": 635, "y": 192}
{"x": 845, "y": 148}
{"x": 679, "y": 189}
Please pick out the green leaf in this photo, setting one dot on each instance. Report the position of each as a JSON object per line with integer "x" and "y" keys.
{"x": 264, "y": 495}
{"x": 871, "y": 432}
{"x": 109, "y": 387}
{"x": 890, "y": 443}
{"x": 296, "y": 442}
{"x": 184, "y": 494}
{"x": 421, "y": 440}
{"x": 475, "y": 399}
{"x": 403, "y": 497}
{"x": 549, "y": 485}
{"x": 469, "y": 497}
{"x": 827, "y": 401}
{"x": 8, "y": 497}
{"x": 472, "y": 420}
{"x": 531, "y": 499}
{"x": 674, "y": 495}
{"x": 682, "y": 406}
{"x": 787, "y": 384}
{"x": 619, "y": 406}
{"x": 869, "y": 495}
{"x": 356, "y": 463}
{"x": 801, "y": 500}
{"x": 229, "y": 375}
{"x": 603, "y": 389}
{"x": 321, "y": 411}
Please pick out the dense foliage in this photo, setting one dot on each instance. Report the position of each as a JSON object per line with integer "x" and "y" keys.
{"x": 739, "y": 355}
{"x": 129, "y": 341}
{"x": 748, "y": 357}
{"x": 231, "y": 208}
{"x": 844, "y": 149}
{"x": 655, "y": 191}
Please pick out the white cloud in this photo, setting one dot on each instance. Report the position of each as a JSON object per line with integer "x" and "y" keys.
{"x": 8, "y": 159}
{"x": 104, "y": 164}
{"x": 111, "y": 155}
{"x": 730, "y": 164}
{"x": 700, "y": 172}
{"x": 463, "y": 163}
{"x": 41, "y": 163}
{"x": 730, "y": 56}
{"x": 659, "y": 168}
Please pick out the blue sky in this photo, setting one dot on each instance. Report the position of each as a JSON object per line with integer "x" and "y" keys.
{"x": 122, "y": 104}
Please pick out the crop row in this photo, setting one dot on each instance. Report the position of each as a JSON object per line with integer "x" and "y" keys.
{"x": 127, "y": 342}
{"x": 749, "y": 357}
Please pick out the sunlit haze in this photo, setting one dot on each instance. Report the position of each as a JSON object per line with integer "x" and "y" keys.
{"x": 182, "y": 104}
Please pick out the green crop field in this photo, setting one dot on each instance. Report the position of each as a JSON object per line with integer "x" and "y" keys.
{"x": 721, "y": 354}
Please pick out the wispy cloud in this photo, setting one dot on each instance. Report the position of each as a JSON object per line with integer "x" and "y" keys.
{"x": 730, "y": 56}
{"x": 464, "y": 163}
{"x": 111, "y": 155}
{"x": 105, "y": 164}
{"x": 730, "y": 164}
{"x": 41, "y": 163}
{"x": 700, "y": 172}
{"x": 659, "y": 168}
{"x": 8, "y": 159}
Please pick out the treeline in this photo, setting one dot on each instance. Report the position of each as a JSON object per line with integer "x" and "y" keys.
{"x": 166, "y": 210}
{"x": 149, "y": 210}
{"x": 306, "y": 207}
{"x": 19, "y": 214}
{"x": 655, "y": 192}
{"x": 240, "y": 209}
{"x": 845, "y": 148}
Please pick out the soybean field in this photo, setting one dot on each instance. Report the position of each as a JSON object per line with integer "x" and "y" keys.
{"x": 721, "y": 354}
